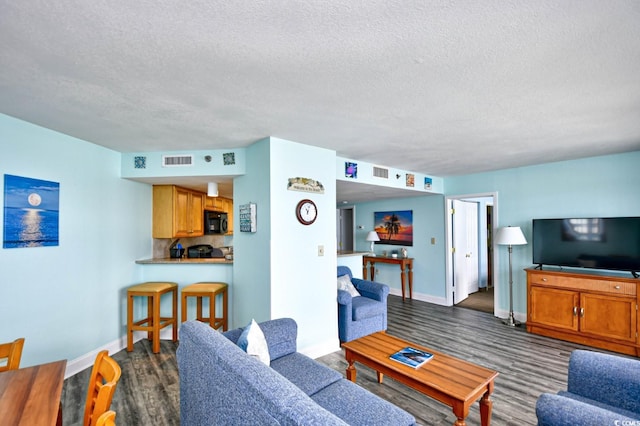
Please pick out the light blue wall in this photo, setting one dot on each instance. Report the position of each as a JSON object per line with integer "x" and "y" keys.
{"x": 599, "y": 186}
{"x": 252, "y": 250}
{"x": 303, "y": 283}
{"x": 428, "y": 223}
{"x": 67, "y": 300}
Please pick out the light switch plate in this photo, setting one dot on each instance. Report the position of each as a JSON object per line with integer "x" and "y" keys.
{"x": 320, "y": 250}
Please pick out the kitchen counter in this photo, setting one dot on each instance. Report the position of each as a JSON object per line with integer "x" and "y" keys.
{"x": 344, "y": 253}
{"x": 185, "y": 261}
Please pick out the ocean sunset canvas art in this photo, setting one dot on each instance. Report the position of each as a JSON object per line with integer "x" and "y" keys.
{"x": 395, "y": 227}
{"x": 31, "y": 208}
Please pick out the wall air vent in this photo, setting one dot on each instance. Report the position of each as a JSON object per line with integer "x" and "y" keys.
{"x": 177, "y": 160}
{"x": 380, "y": 172}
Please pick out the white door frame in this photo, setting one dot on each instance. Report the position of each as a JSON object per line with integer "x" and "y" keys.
{"x": 449, "y": 229}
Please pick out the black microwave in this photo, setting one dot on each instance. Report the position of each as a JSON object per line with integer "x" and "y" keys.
{"x": 215, "y": 222}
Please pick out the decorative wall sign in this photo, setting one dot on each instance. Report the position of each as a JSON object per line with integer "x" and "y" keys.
{"x": 305, "y": 185}
{"x": 395, "y": 227}
{"x": 140, "y": 162}
{"x": 428, "y": 182}
{"x": 229, "y": 158}
{"x": 351, "y": 170}
{"x": 248, "y": 217}
{"x": 411, "y": 178}
{"x": 31, "y": 208}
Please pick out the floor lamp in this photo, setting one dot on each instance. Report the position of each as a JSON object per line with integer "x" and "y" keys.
{"x": 510, "y": 236}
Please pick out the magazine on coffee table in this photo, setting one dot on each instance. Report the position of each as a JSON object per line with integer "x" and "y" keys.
{"x": 412, "y": 357}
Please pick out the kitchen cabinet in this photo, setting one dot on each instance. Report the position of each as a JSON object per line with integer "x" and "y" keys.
{"x": 590, "y": 309}
{"x": 221, "y": 204}
{"x": 177, "y": 212}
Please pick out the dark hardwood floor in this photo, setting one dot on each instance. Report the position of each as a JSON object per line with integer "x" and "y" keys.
{"x": 148, "y": 392}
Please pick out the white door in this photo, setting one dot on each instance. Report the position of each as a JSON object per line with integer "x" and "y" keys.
{"x": 465, "y": 249}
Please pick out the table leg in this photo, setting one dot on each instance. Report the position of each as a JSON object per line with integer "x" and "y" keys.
{"x": 486, "y": 406}
{"x": 351, "y": 370}
{"x": 410, "y": 281}
{"x": 380, "y": 376}
{"x": 402, "y": 279}
{"x": 461, "y": 411}
{"x": 364, "y": 270}
{"x": 372, "y": 268}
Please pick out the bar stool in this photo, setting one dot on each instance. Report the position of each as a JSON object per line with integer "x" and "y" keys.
{"x": 210, "y": 290}
{"x": 153, "y": 322}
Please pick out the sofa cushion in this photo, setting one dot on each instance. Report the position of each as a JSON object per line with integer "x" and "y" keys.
{"x": 357, "y": 406}
{"x": 308, "y": 375}
{"x": 344, "y": 283}
{"x": 253, "y": 342}
{"x": 363, "y": 307}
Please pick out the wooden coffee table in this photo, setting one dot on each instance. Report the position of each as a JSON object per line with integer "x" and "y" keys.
{"x": 447, "y": 379}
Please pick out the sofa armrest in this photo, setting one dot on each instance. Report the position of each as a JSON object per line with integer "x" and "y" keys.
{"x": 556, "y": 410}
{"x": 609, "y": 379}
{"x": 371, "y": 289}
{"x": 344, "y": 298}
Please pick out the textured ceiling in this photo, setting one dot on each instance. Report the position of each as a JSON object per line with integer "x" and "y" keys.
{"x": 437, "y": 87}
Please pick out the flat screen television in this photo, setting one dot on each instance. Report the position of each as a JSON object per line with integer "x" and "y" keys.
{"x": 611, "y": 243}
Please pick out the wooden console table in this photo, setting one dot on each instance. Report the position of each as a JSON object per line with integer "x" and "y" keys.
{"x": 406, "y": 265}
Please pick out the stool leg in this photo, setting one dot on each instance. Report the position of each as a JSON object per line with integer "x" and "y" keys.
{"x": 225, "y": 311}
{"x": 184, "y": 307}
{"x": 212, "y": 311}
{"x": 129, "y": 322}
{"x": 174, "y": 316}
{"x": 151, "y": 319}
{"x": 156, "y": 323}
{"x": 199, "y": 308}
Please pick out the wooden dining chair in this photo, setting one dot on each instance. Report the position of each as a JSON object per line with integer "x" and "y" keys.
{"x": 12, "y": 352}
{"x": 107, "y": 418}
{"x": 102, "y": 385}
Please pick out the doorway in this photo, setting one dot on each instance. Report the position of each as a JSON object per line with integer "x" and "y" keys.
{"x": 470, "y": 263}
{"x": 345, "y": 228}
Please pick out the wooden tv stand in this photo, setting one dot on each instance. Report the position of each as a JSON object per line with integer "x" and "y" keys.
{"x": 587, "y": 308}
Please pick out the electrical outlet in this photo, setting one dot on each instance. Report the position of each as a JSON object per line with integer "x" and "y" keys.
{"x": 433, "y": 240}
{"x": 320, "y": 250}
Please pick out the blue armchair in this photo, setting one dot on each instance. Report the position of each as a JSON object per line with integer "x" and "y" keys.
{"x": 361, "y": 315}
{"x": 602, "y": 389}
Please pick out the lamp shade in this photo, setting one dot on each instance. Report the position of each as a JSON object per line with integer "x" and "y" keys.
{"x": 510, "y": 236}
{"x": 212, "y": 189}
{"x": 373, "y": 236}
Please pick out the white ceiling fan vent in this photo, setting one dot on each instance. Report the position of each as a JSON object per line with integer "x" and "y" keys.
{"x": 177, "y": 160}
{"x": 380, "y": 172}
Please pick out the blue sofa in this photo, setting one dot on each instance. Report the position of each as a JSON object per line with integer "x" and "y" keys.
{"x": 221, "y": 385}
{"x": 361, "y": 315}
{"x": 602, "y": 389}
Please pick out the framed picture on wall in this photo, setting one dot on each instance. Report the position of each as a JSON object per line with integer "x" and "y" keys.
{"x": 394, "y": 227}
{"x": 31, "y": 208}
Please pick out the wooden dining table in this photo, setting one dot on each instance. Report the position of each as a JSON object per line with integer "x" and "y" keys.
{"x": 31, "y": 396}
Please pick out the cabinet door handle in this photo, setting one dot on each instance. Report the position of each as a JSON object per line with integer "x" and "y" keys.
{"x": 581, "y": 312}
{"x": 617, "y": 287}
{"x": 544, "y": 280}
{"x": 575, "y": 311}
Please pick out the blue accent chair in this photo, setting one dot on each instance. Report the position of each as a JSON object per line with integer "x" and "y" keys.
{"x": 361, "y": 315}
{"x": 602, "y": 389}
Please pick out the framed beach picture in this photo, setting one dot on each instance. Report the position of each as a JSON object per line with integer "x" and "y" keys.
{"x": 394, "y": 227}
{"x": 30, "y": 212}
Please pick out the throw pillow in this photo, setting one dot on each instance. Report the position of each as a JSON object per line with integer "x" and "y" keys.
{"x": 344, "y": 283}
{"x": 253, "y": 342}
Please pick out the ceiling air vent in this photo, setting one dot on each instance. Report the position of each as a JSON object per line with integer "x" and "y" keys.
{"x": 177, "y": 160}
{"x": 380, "y": 172}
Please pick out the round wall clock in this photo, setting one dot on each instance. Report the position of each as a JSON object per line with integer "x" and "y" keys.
{"x": 306, "y": 212}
